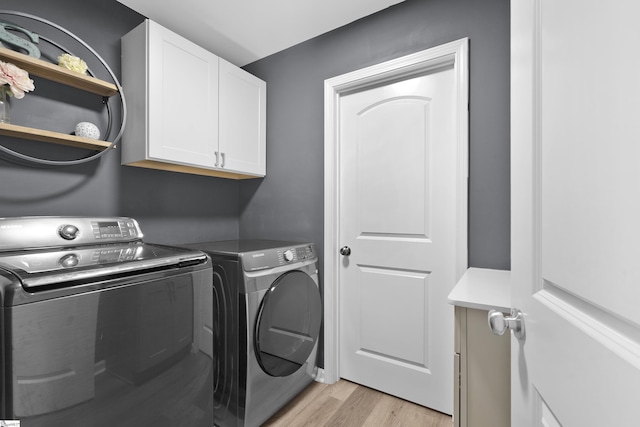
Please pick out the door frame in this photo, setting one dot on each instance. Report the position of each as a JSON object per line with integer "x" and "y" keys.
{"x": 450, "y": 54}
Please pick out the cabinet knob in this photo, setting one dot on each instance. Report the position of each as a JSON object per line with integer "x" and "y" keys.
{"x": 498, "y": 323}
{"x": 345, "y": 250}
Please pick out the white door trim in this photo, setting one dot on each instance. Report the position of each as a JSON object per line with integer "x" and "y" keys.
{"x": 454, "y": 53}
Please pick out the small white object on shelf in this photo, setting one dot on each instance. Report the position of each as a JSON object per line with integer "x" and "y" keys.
{"x": 87, "y": 130}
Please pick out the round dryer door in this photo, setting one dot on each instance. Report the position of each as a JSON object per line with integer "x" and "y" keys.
{"x": 288, "y": 324}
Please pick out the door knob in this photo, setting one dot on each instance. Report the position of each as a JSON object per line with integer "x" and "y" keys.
{"x": 345, "y": 250}
{"x": 499, "y": 324}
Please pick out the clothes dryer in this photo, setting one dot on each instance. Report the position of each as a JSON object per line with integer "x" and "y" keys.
{"x": 267, "y": 316}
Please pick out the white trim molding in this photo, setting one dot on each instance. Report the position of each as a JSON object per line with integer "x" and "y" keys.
{"x": 451, "y": 54}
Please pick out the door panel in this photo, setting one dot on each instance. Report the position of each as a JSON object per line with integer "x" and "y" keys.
{"x": 391, "y": 314}
{"x": 397, "y": 141}
{"x": 393, "y": 137}
{"x": 574, "y": 212}
{"x": 588, "y": 122}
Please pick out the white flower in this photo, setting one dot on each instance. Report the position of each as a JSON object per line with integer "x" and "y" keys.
{"x": 17, "y": 79}
{"x": 72, "y": 63}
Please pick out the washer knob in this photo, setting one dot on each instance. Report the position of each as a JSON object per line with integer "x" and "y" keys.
{"x": 288, "y": 255}
{"x": 68, "y": 261}
{"x": 68, "y": 232}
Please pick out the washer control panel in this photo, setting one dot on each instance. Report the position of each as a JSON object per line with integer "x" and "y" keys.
{"x": 115, "y": 229}
{"x": 22, "y": 233}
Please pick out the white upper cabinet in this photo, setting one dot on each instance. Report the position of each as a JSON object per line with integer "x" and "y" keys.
{"x": 188, "y": 110}
{"x": 182, "y": 82}
{"x": 242, "y": 120}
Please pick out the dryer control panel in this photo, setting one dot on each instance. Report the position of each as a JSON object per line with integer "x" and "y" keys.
{"x": 270, "y": 258}
{"x": 286, "y": 256}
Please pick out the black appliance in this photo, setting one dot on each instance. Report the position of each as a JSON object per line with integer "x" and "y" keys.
{"x": 99, "y": 328}
{"x": 266, "y": 326}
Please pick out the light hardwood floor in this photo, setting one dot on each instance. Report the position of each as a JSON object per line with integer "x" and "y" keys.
{"x": 351, "y": 405}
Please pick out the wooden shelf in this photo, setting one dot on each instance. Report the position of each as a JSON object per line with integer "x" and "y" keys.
{"x": 23, "y": 132}
{"x": 53, "y": 72}
{"x": 194, "y": 170}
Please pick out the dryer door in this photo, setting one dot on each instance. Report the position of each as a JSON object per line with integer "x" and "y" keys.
{"x": 288, "y": 324}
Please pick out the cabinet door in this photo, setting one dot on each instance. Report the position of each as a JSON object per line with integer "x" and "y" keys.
{"x": 242, "y": 121}
{"x": 183, "y": 99}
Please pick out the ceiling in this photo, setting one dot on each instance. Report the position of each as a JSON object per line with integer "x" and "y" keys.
{"x": 243, "y": 31}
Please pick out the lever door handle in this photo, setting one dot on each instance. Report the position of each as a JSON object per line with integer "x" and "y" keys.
{"x": 499, "y": 324}
{"x": 345, "y": 250}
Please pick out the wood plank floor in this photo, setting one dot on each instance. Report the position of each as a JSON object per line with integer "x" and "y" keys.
{"x": 351, "y": 405}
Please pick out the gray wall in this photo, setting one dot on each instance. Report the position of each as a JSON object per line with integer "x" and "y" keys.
{"x": 171, "y": 207}
{"x": 288, "y": 203}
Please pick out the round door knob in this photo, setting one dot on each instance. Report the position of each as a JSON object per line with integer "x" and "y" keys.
{"x": 345, "y": 250}
{"x": 68, "y": 232}
{"x": 499, "y": 324}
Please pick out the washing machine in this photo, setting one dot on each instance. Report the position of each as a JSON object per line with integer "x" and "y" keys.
{"x": 267, "y": 313}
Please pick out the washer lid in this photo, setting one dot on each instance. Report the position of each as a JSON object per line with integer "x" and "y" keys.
{"x": 71, "y": 265}
{"x": 288, "y": 324}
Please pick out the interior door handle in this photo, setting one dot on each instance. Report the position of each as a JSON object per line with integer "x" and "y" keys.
{"x": 499, "y": 324}
{"x": 345, "y": 250}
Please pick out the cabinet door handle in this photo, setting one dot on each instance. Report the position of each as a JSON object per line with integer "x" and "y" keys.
{"x": 222, "y": 155}
{"x": 216, "y": 163}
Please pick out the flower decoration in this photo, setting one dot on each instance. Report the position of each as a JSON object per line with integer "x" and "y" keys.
{"x": 72, "y": 63}
{"x": 14, "y": 80}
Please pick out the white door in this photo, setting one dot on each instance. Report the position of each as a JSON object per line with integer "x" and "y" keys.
{"x": 398, "y": 200}
{"x": 575, "y": 212}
